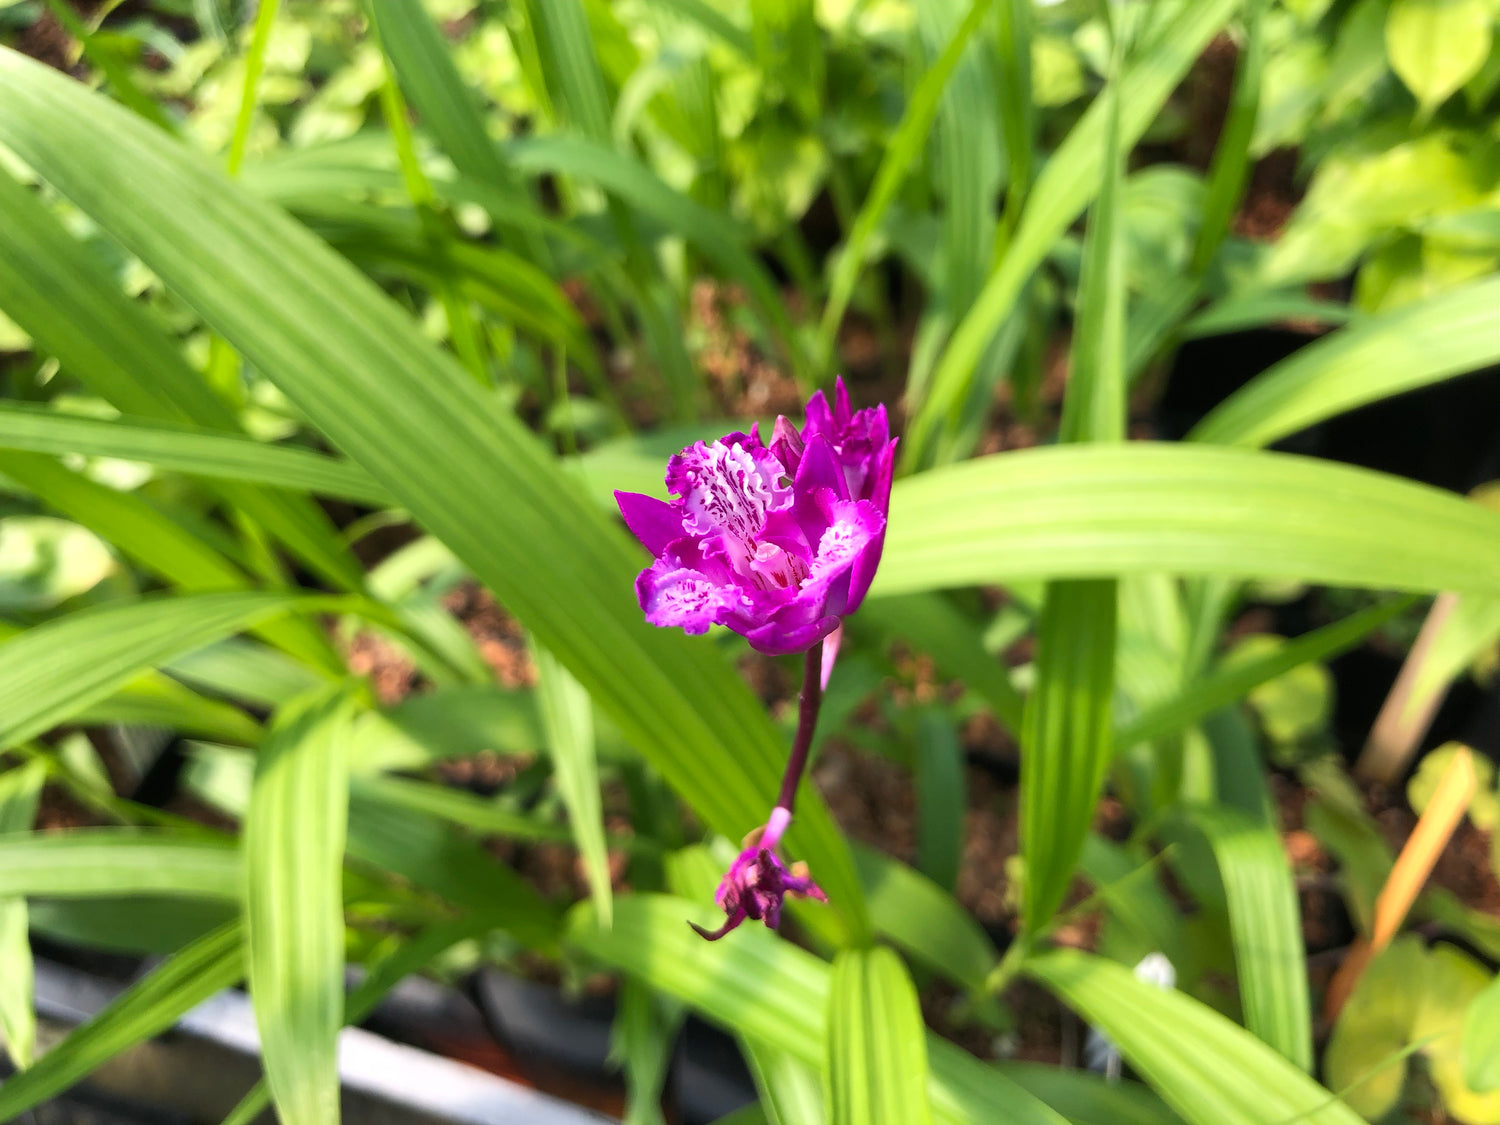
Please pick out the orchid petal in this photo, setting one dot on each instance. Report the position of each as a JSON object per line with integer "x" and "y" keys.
{"x": 654, "y": 522}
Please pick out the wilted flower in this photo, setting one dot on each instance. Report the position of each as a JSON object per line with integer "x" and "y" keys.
{"x": 758, "y": 881}
{"x": 779, "y": 543}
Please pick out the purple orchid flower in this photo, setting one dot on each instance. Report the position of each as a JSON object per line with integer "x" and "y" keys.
{"x": 780, "y": 544}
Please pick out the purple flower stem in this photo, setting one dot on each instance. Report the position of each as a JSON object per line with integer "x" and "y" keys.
{"x": 807, "y": 722}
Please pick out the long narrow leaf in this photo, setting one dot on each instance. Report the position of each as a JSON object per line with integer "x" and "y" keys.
{"x": 568, "y": 722}
{"x": 876, "y": 1068}
{"x": 210, "y": 964}
{"x": 20, "y": 789}
{"x": 1416, "y": 345}
{"x": 72, "y": 307}
{"x": 384, "y": 395}
{"x": 1266, "y": 927}
{"x": 95, "y": 862}
{"x": 777, "y": 993}
{"x": 1071, "y": 177}
{"x": 903, "y": 150}
{"x": 1225, "y": 685}
{"x": 1182, "y": 509}
{"x": 55, "y": 670}
{"x": 196, "y": 451}
{"x": 1205, "y": 1067}
{"x": 294, "y": 917}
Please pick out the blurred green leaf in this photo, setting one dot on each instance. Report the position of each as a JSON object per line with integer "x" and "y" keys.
{"x": 941, "y": 797}
{"x": 568, "y": 723}
{"x": 1266, "y": 925}
{"x": 20, "y": 790}
{"x": 46, "y": 561}
{"x": 1181, "y": 509}
{"x": 294, "y": 914}
{"x": 363, "y": 373}
{"x": 1089, "y": 1099}
{"x": 774, "y": 992}
{"x": 51, "y": 672}
{"x": 185, "y": 449}
{"x": 1452, "y": 334}
{"x": 1206, "y": 1068}
{"x": 1236, "y": 677}
{"x": 212, "y": 963}
{"x": 1363, "y": 1056}
{"x": 876, "y": 1067}
{"x": 1063, "y": 189}
{"x": 1481, "y": 1040}
{"x": 103, "y": 862}
{"x": 924, "y": 919}
{"x": 1435, "y": 46}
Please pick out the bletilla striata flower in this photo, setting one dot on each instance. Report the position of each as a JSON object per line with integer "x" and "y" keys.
{"x": 778, "y": 542}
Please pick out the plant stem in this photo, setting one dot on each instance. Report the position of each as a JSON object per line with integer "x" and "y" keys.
{"x": 807, "y": 722}
{"x": 1010, "y": 964}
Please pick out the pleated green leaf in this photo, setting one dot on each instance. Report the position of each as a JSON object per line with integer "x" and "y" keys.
{"x": 1211, "y": 1071}
{"x": 903, "y": 151}
{"x": 294, "y": 914}
{"x": 1181, "y": 509}
{"x": 927, "y": 922}
{"x": 363, "y": 373}
{"x": 1237, "y": 679}
{"x": 1085, "y": 1098}
{"x": 953, "y": 640}
{"x": 1063, "y": 189}
{"x": 20, "y": 789}
{"x": 791, "y": 1092}
{"x": 1066, "y": 740}
{"x": 193, "y": 450}
{"x": 875, "y": 1072}
{"x": 1266, "y": 926}
{"x": 154, "y": 700}
{"x": 53, "y": 671}
{"x": 70, "y": 304}
{"x": 107, "y": 862}
{"x": 568, "y": 723}
{"x": 770, "y": 990}
{"x": 210, "y": 964}
{"x": 1414, "y": 346}
{"x": 1481, "y": 1040}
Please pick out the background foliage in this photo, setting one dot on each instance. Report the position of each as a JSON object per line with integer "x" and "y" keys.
{"x": 329, "y": 327}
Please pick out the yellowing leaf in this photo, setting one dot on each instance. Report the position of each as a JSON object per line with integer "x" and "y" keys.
{"x": 1435, "y": 46}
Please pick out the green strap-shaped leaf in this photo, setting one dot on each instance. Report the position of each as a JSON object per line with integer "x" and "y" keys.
{"x": 1211, "y": 1071}
{"x": 1085, "y": 1098}
{"x": 568, "y": 723}
{"x": 1266, "y": 926}
{"x": 875, "y": 1072}
{"x": 1065, "y": 737}
{"x": 95, "y": 862}
{"x": 20, "y": 789}
{"x": 791, "y": 1092}
{"x": 1181, "y": 509}
{"x": 924, "y": 920}
{"x": 1416, "y": 345}
{"x": 54, "y": 288}
{"x": 1234, "y": 681}
{"x": 903, "y": 150}
{"x": 185, "y": 449}
{"x": 1071, "y": 177}
{"x": 772, "y": 991}
{"x": 210, "y": 964}
{"x": 953, "y": 640}
{"x": 383, "y": 977}
{"x": 50, "y": 673}
{"x": 294, "y": 915}
{"x": 1068, "y": 724}
{"x": 363, "y": 373}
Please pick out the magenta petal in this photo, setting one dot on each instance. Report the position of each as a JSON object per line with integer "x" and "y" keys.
{"x": 819, "y": 418}
{"x": 654, "y": 522}
{"x": 672, "y": 594}
{"x": 729, "y": 923}
{"x": 841, "y": 410}
{"x": 779, "y": 640}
